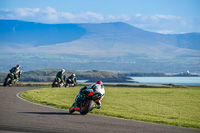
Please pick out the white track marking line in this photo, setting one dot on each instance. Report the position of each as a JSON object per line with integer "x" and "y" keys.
{"x": 18, "y": 95}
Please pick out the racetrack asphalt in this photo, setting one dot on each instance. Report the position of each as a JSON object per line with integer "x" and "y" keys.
{"x": 17, "y": 115}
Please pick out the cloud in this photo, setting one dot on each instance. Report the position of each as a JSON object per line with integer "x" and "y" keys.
{"x": 166, "y": 24}
{"x": 50, "y": 15}
{"x": 91, "y": 16}
{"x": 51, "y": 10}
{"x": 164, "y": 31}
{"x": 138, "y": 15}
{"x": 156, "y": 22}
{"x": 26, "y": 12}
{"x": 157, "y": 17}
{"x": 67, "y": 15}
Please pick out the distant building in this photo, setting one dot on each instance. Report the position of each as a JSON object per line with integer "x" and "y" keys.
{"x": 188, "y": 72}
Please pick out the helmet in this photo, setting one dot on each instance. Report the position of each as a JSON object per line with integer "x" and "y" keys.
{"x": 18, "y": 66}
{"x": 98, "y": 86}
{"x": 62, "y": 70}
{"x": 99, "y": 82}
{"x": 73, "y": 74}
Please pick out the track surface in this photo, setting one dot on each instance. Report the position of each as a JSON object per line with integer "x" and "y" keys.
{"x": 17, "y": 115}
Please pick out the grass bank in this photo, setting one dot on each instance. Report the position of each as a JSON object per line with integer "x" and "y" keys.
{"x": 171, "y": 106}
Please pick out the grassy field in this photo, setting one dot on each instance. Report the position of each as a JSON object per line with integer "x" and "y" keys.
{"x": 171, "y": 106}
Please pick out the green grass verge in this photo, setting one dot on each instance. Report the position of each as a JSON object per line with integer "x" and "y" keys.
{"x": 171, "y": 106}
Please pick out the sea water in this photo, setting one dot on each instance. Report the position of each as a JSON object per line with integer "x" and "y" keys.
{"x": 168, "y": 80}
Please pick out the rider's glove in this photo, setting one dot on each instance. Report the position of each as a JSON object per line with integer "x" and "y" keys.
{"x": 98, "y": 106}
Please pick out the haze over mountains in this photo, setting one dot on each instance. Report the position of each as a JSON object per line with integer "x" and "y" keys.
{"x": 105, "y": 46}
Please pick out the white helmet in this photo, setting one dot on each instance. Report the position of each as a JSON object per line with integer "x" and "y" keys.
{"x": 62, "y": 70}
{"x": 73, "y": 74}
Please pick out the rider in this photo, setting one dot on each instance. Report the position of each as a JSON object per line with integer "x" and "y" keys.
{"x": 16, "y": 71}
{"x": 98, "y": 87}
{"x": 61, "y": 75}
{"x": 72, "y": 78}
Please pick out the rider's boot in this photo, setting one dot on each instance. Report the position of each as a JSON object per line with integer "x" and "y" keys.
{"x": 98, "y": 105}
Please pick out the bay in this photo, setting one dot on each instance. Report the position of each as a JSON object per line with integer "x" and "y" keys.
{"x": 168, "y": 80}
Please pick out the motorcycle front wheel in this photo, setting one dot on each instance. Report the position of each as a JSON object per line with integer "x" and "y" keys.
{"x": 88, "y": 106}
{"x": 71, "y": 110}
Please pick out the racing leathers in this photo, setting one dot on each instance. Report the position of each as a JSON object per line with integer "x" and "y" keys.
{"x": 72, "y": 79}
{"x": 61, "y": 75}
{"x": 17, "y": 72}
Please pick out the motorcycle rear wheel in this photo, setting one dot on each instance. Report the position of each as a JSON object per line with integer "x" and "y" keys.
{"x": 53, "y": 85}
{"x": 7, "y": 82}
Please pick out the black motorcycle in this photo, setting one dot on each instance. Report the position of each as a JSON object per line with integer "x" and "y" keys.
{"x": 70, "y": 83}
{"x": 57, "y": 82}
{"x": 10, "y": 80}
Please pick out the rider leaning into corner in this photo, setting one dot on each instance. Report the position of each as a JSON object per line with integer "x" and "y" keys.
{"x": 61, "y": 75}
{"x": 16, "y": 71}
{"x": 72, "y": 78}
{"x": 98, "y": 87}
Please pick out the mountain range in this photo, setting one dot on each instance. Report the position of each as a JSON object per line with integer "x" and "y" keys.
{"x": 106, "y": 46}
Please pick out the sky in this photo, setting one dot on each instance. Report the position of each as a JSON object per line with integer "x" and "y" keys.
{"x": 161, "y": 16}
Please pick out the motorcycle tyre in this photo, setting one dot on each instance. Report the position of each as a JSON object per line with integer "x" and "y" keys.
{"x": 71, "y": 111}
{"x": 7, "y": 82}
{"x": 89, "y": 107}
{"x": 53, "y": 85}
{"x": 66, "y": 85}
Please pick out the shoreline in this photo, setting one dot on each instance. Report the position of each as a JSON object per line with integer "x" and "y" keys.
{"x": 41, "y": 84}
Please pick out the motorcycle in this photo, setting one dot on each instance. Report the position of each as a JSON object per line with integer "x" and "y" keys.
{"x": 87, "y": 102}
{"x": 10, "y": 80}
{"x": 69, "y": 83}
{"x": 57, "y": 82}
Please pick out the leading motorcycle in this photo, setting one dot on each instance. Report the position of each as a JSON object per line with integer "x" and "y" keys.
{"x": 87, "y": 102}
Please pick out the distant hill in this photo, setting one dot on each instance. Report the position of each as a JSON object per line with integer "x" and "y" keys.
{"x": 37, "y": 34}
{"x": 76, "y": 45}
{"x": 105, "y": 35}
